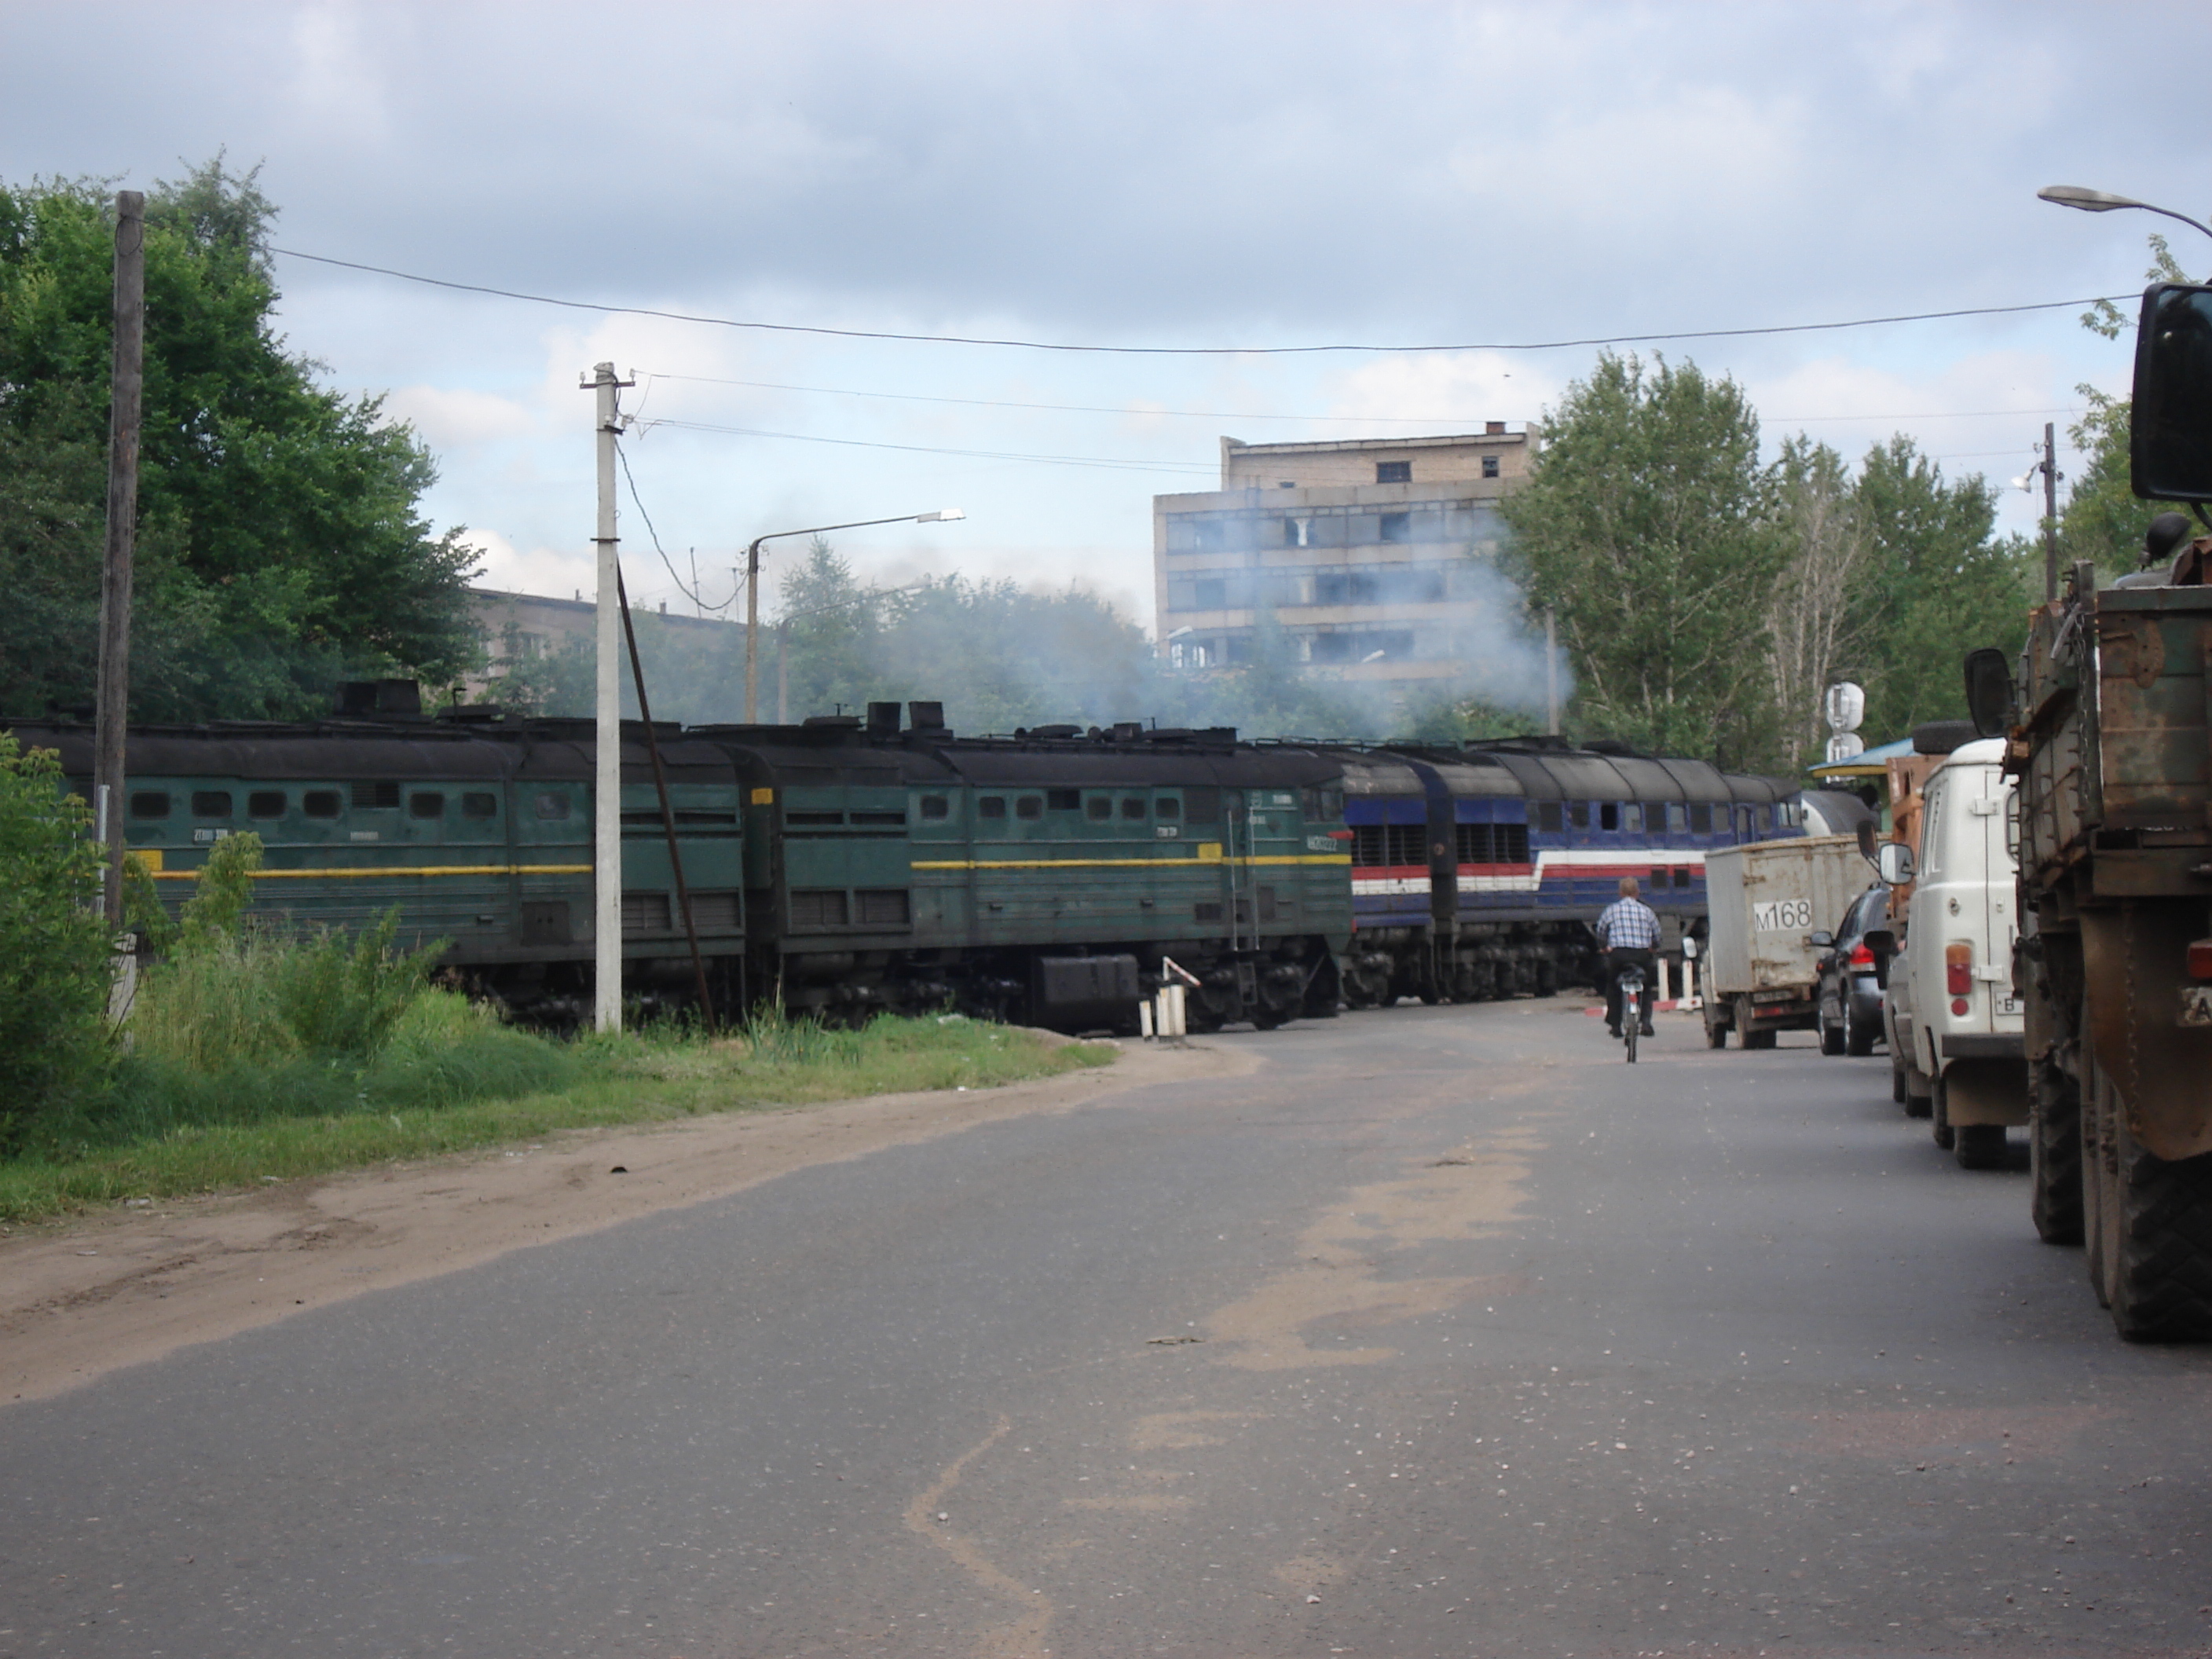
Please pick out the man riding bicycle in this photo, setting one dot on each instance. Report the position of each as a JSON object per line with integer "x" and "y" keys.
{"x": 1628, "y": 931}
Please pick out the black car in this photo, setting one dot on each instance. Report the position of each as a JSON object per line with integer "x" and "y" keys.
{"x": 1850, "y": 997}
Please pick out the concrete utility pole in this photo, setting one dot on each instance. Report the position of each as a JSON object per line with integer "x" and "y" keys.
{"x": 127, "y": 386}
{"x": 2049, "y": 511}
{"x": 606, "y": 783}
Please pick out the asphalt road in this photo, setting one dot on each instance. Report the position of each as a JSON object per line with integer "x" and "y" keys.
{"x": 1446, "y": 1333}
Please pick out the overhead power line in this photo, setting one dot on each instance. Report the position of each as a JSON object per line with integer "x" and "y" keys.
{"x": 1118, "y": 464}
{"x": 1191, "y": 352}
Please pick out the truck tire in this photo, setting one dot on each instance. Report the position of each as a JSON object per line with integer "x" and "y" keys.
{"x": 1745, "y": 1036}
{"x": 1939, "y": 1121}
{"x": 1715, "y": 1024}
{"x": 1919, "y": 1092}
{"x": 1858, "y": 1037}
{"x": 2160, "y": 1274}
{"x": 2054, "y": 1155}
{"x": 1980, "y": 1146}
{"x": 2097, "y": 1207}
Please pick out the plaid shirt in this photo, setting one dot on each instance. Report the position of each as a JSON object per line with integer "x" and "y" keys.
{"x": 1628, "y": 925}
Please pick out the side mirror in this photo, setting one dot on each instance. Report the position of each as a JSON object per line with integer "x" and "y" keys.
{"x": 1883, "y": 943}
{"x": 1895, "y": 863}
{"x": 1988, "y": 691}
{"x": 2169, "y": 427}
{"x": 1867, "y": 839}
{"x": 1822, "y": 940}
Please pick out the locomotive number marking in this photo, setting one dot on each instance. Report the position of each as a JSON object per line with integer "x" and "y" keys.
{"x": 1779, "y": 914}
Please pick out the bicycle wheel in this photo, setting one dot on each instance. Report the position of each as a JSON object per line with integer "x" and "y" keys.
{"x": 1630, "y": 1020}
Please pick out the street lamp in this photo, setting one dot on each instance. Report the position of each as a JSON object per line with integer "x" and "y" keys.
{"x": 943, "y": 515}
{"x": 2098, "y": 201}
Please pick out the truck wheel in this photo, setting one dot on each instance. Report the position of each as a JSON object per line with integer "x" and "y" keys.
{"x": 1715, "y": 1024}
{"x": 2159, "y": 1242}
{"x": 2054, "y": 1155}
{"x": 1980, "y": 1145}
{"x": 1745, "y": 1036}
{"x": 1833, "y": 1039}
{"x": 1858, "y": 1037}
{"x": 2097, "y": 1207}
{"x": 1940, "y": 1120}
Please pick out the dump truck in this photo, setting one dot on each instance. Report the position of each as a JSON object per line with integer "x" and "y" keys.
{"x": 1765, "y": 902}
{"x": 2105, "y": 725}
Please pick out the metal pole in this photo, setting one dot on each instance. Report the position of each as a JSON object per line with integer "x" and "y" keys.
{"x": 783, "y": 672}
{"x": 606, "y": 816}
{"x": 1551, "y": 671}
{"x": 2049, "y": 511}
{"x": 126, "y": 387}
{"x": 667, "y": 809}
{"x": 752, "y": 631}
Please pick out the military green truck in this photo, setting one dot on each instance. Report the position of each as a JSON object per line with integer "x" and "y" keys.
{"x": 2106, "y": 732}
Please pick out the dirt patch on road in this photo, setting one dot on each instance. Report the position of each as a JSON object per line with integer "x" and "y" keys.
{"x": 126, "y": 1286}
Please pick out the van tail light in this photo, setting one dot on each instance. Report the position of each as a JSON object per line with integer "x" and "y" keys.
{"x": 1958, "y": 968}
{"x": 1861, "y": 957}
{"x": 2200, "y": 958}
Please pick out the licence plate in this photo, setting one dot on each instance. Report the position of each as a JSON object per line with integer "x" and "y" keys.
{"x": 2195, "y": 1005}
{"x": 2008, "y": 1004}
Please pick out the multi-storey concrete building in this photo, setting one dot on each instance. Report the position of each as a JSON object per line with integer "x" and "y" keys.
{"x": 1359, "y": 550}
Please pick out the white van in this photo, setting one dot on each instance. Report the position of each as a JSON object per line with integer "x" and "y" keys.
{"x": 1955, "y": 1025}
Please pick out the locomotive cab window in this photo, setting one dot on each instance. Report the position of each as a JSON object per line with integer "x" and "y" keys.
{"x": 1701, "y": 817}
{"x": 1028, "y": 806}
{"x": 265, "y": 803}
{"x": 935, "y": 809}
{"x": 552, "y": 804}
{"x": 1098, "y": 808}
{"x": 211, "y": 803}
{"x": 425, "y": 804}
{"x": 990, "y": 807}
{"x": 150, "y": 803}
{"x": 322, "y": 804}
{"x": 1608, "y": 816}
{"x": 479, "y": 804}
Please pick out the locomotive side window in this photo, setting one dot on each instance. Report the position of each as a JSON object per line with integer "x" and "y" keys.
{"x": 1681, "y": 875}
{"x": 265, "y": 803}
{"x": 369, "y": 797}
{"x": 1578, "y": 814}
{"x": 552, "y": 804}
{"x": 322, "y": 804}
{"x": 1608, "y": 816}
{"x": 1098, "y": 808}
{"x": 1028, "y": 806}
{"x": 1169, "y": 807}
{"x": 150, "y": 803}
{"x": 936, "y": 808}
{"x": 990, "y": 807}
{"x": 1631, "y": 817}
{"x": 1676, "y": 818}
{"x": 211, "y": 803}
{"x": 1132, "y": 806}
{"x": 1323, "y": 806}
{"x": 1550, "y": 816}
{"x": 1063, "y": 800}
{"x": 1701, "y": 817}
{"x": 425, "y": 804}
{"x": 479, "y": 804}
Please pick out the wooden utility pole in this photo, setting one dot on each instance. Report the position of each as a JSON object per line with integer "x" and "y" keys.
{"x": 125, "y": 397}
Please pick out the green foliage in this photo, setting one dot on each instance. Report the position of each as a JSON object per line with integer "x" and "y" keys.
{"x": 221, "y": 893}
{"x": 1649, "y": 525}
{"x": 1936, "y": 584}
{"x": 55, "y": 950}
{"x": 279, "y": 548}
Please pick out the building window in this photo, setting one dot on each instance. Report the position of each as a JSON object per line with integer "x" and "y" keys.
{"x": 1208, "y": 535}
{"x": 1490, "y": 466}
{"x": 1210, "y": 595}
{"x": 1397, "y": 527}
{"x": 1394, "y": 472}
{"x": 1299, "y": 532}
{"x": 1287, "y": 483}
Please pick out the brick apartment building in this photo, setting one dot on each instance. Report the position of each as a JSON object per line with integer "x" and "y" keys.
{"x": 1359, "y": 548}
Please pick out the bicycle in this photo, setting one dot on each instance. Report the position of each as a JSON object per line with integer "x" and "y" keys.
{"x": 1629, "y": 982}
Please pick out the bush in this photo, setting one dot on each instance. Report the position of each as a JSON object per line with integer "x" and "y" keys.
{"x": 55, "y": 952}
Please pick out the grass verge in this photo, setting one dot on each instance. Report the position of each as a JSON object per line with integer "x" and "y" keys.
{"x": 169, "y": 1133}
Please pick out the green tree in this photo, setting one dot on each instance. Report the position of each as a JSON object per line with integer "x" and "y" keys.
{"x": 2103, "y": 521}
{"x": 1935, "y": 583}
{"x": 280, "y": 546}
{"x": 1647, "y": 526}
{"x": 54, "y": 947}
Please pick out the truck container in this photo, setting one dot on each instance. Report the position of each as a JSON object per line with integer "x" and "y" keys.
{"x": 1761, "y": 970}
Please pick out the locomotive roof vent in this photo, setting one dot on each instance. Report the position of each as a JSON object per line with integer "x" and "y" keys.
{"x": 1051, "y": 731}
{"x": 834, "y": 722}
{"x": 925, "y": 716}
{"x": 1128, "y": 731}
{"x": 883, "y": 720}
{"x": 370, "y": 697}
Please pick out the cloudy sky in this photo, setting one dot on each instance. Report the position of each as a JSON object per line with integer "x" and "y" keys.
{"x": 1124, "y": 175}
